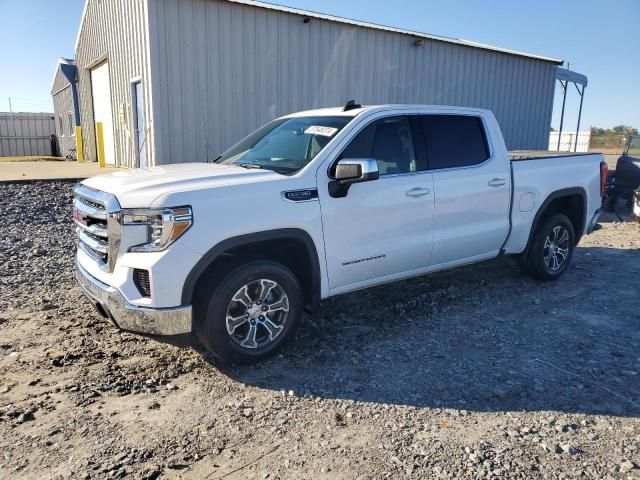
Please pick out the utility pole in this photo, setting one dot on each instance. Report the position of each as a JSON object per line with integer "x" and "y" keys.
{"x": 10, "y": 109}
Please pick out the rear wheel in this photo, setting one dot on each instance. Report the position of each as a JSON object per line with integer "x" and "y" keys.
{"x": 551, "y": 248}
{"x": 251, "y": 313}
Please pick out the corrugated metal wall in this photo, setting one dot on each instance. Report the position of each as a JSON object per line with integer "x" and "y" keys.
{"x": 26, "y": 134}
{"x": 221, "y": 69}
{"x": 114, "y": 30}
{"x": 62, "y": 107}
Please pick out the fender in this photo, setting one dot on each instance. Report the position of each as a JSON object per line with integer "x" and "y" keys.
{"x": 551, "y": 197}
{"x": 233, "y": 242}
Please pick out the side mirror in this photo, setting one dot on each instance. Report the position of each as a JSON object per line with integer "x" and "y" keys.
{"x": 350, "y": 171}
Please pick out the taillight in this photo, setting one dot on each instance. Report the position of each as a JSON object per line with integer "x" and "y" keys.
{"x": 604, "y": 173}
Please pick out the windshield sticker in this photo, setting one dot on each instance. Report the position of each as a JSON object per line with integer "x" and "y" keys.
{"x": 322, "y": 131}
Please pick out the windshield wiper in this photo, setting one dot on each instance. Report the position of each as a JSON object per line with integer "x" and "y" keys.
{"x": 250, "y": 165}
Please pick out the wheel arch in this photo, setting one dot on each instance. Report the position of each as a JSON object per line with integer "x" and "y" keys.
{"x": 559, "y": 201}
{"x": 261, "y": 245}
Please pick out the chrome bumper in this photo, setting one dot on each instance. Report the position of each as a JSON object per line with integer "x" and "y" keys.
{"x": 594, "y": 221}
{"x": 151, "y": 321}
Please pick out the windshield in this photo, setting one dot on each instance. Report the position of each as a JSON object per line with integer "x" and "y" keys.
{"x": 285, "y": 145}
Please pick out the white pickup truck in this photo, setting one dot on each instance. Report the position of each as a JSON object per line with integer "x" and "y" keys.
{"x": 316, "y": 204}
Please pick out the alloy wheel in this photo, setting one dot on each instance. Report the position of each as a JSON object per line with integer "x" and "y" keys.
{"x": 556, "y": 248}
{"x": 257, "y": 313}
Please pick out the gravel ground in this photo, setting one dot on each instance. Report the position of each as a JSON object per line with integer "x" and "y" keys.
{"x": 476, "y": 372}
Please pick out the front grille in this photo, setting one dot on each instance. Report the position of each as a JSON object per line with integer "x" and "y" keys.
{"x": 141, "y": 281}
{"x": 97, "y": 220}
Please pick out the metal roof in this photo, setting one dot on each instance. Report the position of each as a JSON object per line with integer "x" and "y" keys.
{"x": 571, "y": 76}
{"x": 374, "y": 26}
{"x": 62, "y": 61}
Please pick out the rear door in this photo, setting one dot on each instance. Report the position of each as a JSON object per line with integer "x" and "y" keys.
{"x": 471, "y": 188}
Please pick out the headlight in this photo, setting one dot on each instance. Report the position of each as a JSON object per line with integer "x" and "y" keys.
{"x": 164, "y": 226}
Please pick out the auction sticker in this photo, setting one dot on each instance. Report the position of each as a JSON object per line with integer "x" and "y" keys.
{"x": 322, "y": 131}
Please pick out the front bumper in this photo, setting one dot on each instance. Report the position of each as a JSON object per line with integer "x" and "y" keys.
{"x": 111, "y": 304}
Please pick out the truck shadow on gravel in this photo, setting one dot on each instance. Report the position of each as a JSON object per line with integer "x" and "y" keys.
{"x": 480, "y": 338}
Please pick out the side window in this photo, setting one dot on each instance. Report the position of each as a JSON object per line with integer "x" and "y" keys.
{"x": 60, "y": 126}
{"x": 390, "y": 142}
{"x": 454, "y": 141}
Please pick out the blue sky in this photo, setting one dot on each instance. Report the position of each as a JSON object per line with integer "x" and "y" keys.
{"x": 599, "y": 39}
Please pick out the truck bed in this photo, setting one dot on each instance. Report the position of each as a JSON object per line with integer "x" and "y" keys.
{"x": 517, "y": 155}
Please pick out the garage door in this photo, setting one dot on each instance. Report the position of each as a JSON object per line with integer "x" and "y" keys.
{"x": 101, "y": 92}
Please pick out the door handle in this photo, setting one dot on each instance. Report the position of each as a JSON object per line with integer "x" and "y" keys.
{"x": 418, "y": 192}
{"x": 497, "y": 182}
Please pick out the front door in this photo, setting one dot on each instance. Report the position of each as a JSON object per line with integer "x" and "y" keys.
{"x": 381, "y": 227}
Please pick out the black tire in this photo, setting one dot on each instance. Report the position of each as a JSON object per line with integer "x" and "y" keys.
{"x": 212, "y": 328}
{"x": 539, "y": 262}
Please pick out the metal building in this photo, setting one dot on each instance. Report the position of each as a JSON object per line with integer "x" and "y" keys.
{"x": 26, "y": 134}
{"x": 180, "y": 80}
{"x": 65, "y": 105}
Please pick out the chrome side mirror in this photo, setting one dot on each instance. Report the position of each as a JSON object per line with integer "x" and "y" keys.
{"x": 350, "y": 171}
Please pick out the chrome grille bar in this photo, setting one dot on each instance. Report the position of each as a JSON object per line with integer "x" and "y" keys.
{"x": 92, "y": 242}
{"x": 89, "y": 210}
{"x": 96, "y": 229}
{"x": 96, "y": 215}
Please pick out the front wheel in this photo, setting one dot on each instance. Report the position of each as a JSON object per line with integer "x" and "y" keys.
{"x": 251, "y": 313}
{"x": 551, "y": 248}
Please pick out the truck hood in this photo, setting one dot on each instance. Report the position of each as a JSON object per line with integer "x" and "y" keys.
{"x": 140, "y": 187}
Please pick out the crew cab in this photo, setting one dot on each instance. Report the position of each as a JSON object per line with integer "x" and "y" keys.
{"x": 316, "y": 204}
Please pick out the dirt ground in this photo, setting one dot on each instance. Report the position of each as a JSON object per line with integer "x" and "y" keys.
{"x": 477, "y": 372}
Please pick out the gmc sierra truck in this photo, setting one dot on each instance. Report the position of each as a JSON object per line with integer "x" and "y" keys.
{"x": 316, "y": 204}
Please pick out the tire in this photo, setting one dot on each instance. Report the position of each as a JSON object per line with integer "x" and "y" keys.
{"x": 550, "y": 233}
{"x": 251, "y": 313}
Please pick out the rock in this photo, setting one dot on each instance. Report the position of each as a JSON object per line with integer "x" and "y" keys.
{"x": 553, "y": 448}
{"x": 570, "y": 449}
{"x": 154, "y": 406}
{"x": 476, "y": 458}
{"x": 627, "y": 466}
{"x": 121, "y": 473}
{"x": 536, "y": 301}
{"x": 247, "y": 412}
{"x": 25, "y": 417}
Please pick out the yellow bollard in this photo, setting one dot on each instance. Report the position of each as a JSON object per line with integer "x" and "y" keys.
{"x": 79, "y": 153}
{"x": 100, "y": 141}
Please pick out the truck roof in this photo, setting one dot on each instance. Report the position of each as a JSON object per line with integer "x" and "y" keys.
{"x": 339, "y": 111}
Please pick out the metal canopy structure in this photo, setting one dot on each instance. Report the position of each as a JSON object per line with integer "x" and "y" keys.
{"x": 565, "y": 77}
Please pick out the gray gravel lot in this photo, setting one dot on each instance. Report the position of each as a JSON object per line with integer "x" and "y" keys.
{"x": 477, "y": 372}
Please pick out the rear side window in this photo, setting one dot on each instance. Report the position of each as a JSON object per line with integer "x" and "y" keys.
{"x": 390, "y": 142}
{"x": 454, "y": 141}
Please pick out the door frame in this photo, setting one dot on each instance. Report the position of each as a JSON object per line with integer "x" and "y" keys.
{"x": 133, "y": 82}
{"x": 98, "y": 62}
